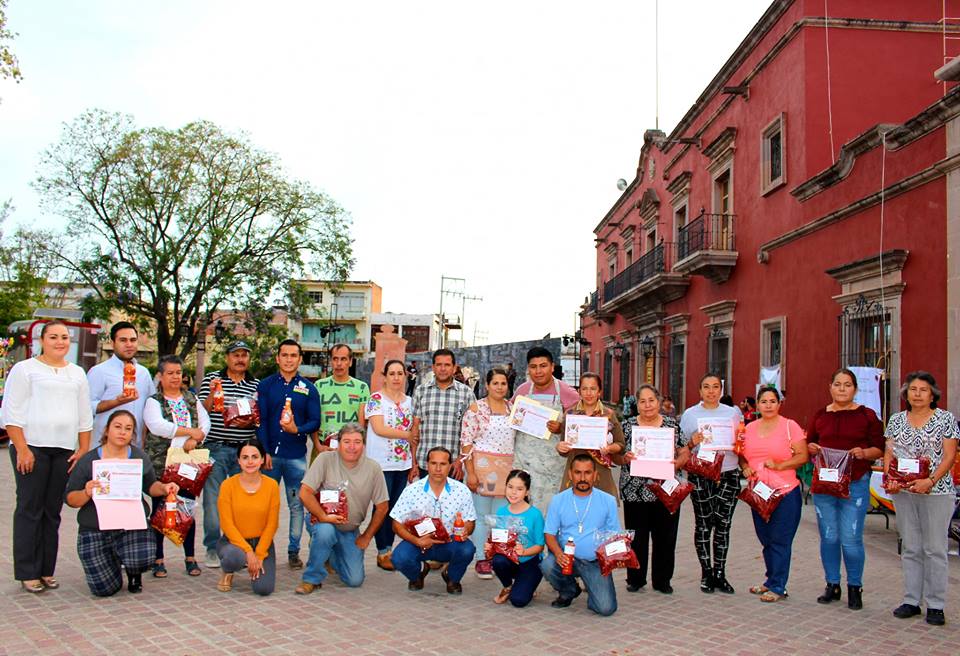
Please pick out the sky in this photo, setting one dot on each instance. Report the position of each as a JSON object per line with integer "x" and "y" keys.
{"x": 479, "y": 141}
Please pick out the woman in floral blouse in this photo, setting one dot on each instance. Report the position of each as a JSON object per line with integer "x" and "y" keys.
{"x": 642, "y": 511}
{"x": 486, "y": 443}
{"x": 389, "y": 417}
{"x": 924, "y": 506}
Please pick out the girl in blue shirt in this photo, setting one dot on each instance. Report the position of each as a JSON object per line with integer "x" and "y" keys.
{"x": 520, "y": 580}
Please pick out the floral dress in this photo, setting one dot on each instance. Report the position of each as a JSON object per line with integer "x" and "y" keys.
{"x": 392, "y": 454}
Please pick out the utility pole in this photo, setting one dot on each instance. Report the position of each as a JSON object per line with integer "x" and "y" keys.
{"x": 463, "y": 311}
{"x": 451, "y": 292}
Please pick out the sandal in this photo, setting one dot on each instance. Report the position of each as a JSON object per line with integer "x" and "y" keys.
{"x": 159, "y": 570}
{"x": 50, "y": 582}
{"x": 759, "y": 589}
{"x": 503, "y": 596}
{"x": 225, "y": 584}
{"x": 770, "y": 596}
{"x": 193, "y": 568}
{"x": 34, "y": 585}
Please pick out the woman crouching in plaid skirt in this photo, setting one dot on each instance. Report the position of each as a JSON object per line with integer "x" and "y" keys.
{"x": 103, "y": 552}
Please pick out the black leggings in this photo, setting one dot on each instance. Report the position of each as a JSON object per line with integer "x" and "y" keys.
{"x": 713, "y": 506}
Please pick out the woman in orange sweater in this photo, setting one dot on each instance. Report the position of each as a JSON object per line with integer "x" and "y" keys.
{"x": 249, "y": 507}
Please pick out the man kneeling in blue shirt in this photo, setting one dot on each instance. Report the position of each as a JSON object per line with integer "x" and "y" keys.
{"x": 579, "y": 512}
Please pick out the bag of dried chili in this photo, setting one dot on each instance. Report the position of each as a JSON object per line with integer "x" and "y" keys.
{"x": 504, "y": 536}
{"x": 671, "y": 492}
{"x": 615, "y": 550}
{"x": 186, "y": 508}
{"x": 706, "y": 463}
{"x": 334, "y": 501}
{"x": 420, "y": 525}
{"x": 761, "y": 497}
{"x": 831, "y": 473}
{"x": 904, "y": 471}
{"x": 190, "y": 476}
{"x": 239, "y": 410}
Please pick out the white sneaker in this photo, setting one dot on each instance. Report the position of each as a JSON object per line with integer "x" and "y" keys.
{"x": 212, "y": 559}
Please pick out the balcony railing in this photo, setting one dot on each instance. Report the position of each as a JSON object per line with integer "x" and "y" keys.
{"x": 707, "y": 232}
{"x": 593, "y": 303}
{"x": 651, "y": 263}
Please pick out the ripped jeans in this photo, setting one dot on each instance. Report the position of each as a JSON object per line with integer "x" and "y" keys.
{"x": 841, "y": 531}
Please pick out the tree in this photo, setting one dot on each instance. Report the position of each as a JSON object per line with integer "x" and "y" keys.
{"x": 23, "y": 271}
{"x": 9, "y": 66}
{"x": 170, "y": 225}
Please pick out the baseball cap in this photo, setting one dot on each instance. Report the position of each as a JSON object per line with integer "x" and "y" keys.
{"x": 236, "y": 346}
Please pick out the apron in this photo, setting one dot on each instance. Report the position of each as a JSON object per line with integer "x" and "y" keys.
{"x": 539, "y": 457}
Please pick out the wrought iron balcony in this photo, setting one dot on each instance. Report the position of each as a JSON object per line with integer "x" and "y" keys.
{"x": 707, "y": 247}
{"x": 650, "y": 279}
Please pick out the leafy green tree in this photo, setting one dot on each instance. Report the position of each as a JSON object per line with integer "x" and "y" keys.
{"x": 23, "y": 270}
{"x": 170, "y": 225}
{"x": 9, "y": 66}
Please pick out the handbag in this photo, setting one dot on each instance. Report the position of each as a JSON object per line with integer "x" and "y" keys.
{"x": 492, "y": 470}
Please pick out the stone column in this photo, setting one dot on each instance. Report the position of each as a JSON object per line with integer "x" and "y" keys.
{"x": 388, "y": 346}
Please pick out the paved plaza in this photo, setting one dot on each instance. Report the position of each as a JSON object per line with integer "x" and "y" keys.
{"x": 183, "y": 616}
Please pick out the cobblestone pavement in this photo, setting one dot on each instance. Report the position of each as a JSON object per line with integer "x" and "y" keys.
{"x": 181, "y": 615}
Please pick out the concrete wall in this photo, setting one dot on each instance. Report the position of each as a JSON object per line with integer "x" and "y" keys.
{"x": 480, "y": 358}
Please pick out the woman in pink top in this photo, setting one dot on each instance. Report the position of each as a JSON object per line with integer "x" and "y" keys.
{"x": 774, "y": 447}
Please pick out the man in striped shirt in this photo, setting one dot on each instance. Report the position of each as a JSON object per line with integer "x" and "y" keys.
{"x": 223, "y": 441}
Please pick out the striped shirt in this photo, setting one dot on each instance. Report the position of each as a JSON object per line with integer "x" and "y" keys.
{"x": 440, "y": 412}
{"x": 231, "y": 390}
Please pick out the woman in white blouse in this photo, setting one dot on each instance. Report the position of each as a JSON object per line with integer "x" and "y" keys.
{"x": 46, "y": 410}
{"x": 173, "y": 418}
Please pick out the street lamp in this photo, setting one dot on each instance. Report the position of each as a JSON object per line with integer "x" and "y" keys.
{"x": 648, "y": 347}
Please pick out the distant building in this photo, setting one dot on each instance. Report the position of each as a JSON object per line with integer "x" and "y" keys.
{"x": 340, "y": 312}
{"x": 422, "y": 331}
{"x": 799, "y": 216}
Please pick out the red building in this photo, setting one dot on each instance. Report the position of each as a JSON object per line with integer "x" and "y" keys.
{"x": 798, "y": 215}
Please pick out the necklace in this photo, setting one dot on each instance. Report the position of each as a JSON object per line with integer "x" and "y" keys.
{"x": 585, "y": 511}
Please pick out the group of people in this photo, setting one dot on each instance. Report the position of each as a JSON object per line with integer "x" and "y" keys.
{"x": 445, "y": 472}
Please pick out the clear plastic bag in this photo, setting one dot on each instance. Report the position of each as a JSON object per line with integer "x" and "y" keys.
{"x": 904, "y": 471}
{"x": 832, "y": 470}
{"x": 761, "y": 497}
{"x": 334, "y": 500}
{"x": 186, "y": 509}
{"x": 615, "y": 550}
{"x": 189, "y": 476}
{"x": 241, "y": 410}
{"x": 701, "y": 464}
{"x": 420, "y": 524}
{"x": 671, "y": 492}
{"x": 504, "y": 536}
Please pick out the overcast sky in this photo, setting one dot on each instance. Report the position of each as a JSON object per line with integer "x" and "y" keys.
{"x": 473, "y": 140}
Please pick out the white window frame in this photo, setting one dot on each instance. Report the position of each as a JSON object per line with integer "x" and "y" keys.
{"x": 767, "y": 328}
{"x": 767, "y": 183}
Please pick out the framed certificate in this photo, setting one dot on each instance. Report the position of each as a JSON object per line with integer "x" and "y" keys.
{"x": 531, "y": 417}
{"x": 582, "y": 432}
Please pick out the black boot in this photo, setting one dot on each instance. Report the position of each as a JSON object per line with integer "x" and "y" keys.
{"x": 720, "y": 581}
{"x": 854, "y": 597}
{"x": 134, "y": 582}
{"x": 706, "y": 581}
{"x": 830, "y": 593}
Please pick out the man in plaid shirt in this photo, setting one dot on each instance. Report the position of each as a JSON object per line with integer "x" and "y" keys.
{"x": 438, "y": 409}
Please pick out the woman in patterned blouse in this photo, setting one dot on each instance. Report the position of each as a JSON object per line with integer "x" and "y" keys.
{"x": 642, "y": 511}
{"x": 925, "y": 506}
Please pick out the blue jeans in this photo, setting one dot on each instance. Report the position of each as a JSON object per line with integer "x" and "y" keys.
{"x": 841, "y": 531}
{"x": 408, "y": 559}
{"x": 396, "y": 482}
{"x": 291, "y": 470}
{"x": 522, "y": 578}
{"x": 484, "y": 506}
{"x": 776, "y": 536}
{"x": 602, "y": 596}
{"x": 225, "y": 465}
{"x": 340, "y": 548}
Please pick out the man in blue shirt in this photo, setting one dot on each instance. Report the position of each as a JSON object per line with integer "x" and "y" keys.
{"x": 286, "y": 441}
{"x": 106, "y": 384}
{"x": 579, "y": 512}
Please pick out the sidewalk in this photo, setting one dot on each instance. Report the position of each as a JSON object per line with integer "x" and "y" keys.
{"x": 181, "y": 615}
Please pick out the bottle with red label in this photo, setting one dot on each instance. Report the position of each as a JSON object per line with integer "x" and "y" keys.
{"x": 738, "y": 443}
{"x": 216, "y": 390}
{"x": 569, "y": 550}
{"x": 287, "y": 415}
{"x": 129, "y": 379}
{"x": 459, "y": 529}
{"x": 170, "y": 511}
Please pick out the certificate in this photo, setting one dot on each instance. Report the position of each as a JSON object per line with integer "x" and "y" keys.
{"x": 653, "y": 452}
{"x": 531, "y": 417}
{"x": 584, "y": 432}
{"x": 717, "y": 434}
{"x": 119, "y": 496}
